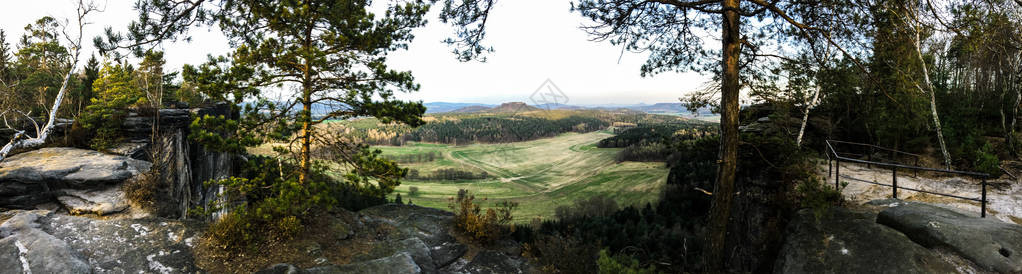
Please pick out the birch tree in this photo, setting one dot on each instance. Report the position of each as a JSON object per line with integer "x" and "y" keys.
{"x": 24, "y": 139}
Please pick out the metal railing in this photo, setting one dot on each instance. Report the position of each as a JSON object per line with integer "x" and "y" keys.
{"x": 834, "y": 157}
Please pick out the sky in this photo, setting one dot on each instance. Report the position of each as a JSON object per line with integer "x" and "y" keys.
{"x": 534, "y": 41}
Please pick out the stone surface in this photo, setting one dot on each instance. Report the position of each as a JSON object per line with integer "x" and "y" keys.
{"x": 430, "y": 225}
{"x": 101, "y": 246}
{"x": 841, "y": 241}
{"x": 490, "y": 261}
{"x": 25, "y": 248}
{"x": 94, "y": 201}
{"x": 37, "y": 176}
{"x": 401, "y": 262}
{"x": 991, "y": 244}
{"x": 71, "y": 166}
{"x": 413, "y": 239}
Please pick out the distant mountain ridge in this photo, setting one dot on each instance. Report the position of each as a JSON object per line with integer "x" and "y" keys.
{"x": 441, "y": 107}
{"x": 438, "y": 107}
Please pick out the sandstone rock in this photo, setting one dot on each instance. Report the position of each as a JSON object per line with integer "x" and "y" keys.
{"x": 118, "y": 246}
{"x": 37, "y": 176}
{"x": 94, "y": 201}
{"x": 71, "y": 166}
{"x": 25, "y": 249}
{"x": 496, "y": 262}
{"x": 989, "y": 243}
{"x": 398, "y": 263}
{"x": 841, "y": 241}
{"x": 415, "y": 247}
{"x": 428, "y": 224}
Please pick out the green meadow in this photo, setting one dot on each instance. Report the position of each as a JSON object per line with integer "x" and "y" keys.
{"x": 540, "y": 175}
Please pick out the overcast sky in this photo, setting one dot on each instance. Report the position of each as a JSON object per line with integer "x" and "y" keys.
{"x": 534, "y": 40}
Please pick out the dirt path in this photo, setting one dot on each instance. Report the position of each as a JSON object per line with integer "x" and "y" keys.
{"x": 1004, "y": 196}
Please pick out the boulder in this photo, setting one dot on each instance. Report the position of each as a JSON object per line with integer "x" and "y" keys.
{"x": 398, "y": 263}
{"x": 415, "y": 247}
{"x": 991, "y": 244}
{"x": 841, "y": 241}
{"x": 102, "y": 246}
{"x": 490, "y": 261}
{"x": 37, "y": 176}
{"x": 26, "y": 249}
{"x": 94, "y": 201}
{"x": 431, "y": 226}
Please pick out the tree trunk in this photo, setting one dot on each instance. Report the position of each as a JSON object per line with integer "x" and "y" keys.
{"x": 306, "y": 142}
{"x": 805, "y": 118}
{"x": 933, "y": 98}
{"x": 723, "y": 193}
{"x": 305, "y": 160}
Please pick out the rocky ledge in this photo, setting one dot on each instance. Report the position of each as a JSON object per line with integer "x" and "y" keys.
{"x": 412, "y": 239}
{"x": 892, "y": 236}
{"x": 402, "y": 239}
{"x": 43, "y": 242}
{"x": 83, "y": 181}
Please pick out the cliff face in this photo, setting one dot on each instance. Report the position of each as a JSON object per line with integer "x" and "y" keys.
{"x": 86, "y": 181}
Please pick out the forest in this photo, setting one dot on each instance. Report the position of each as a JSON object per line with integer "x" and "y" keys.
{"x": 942, "y": 79}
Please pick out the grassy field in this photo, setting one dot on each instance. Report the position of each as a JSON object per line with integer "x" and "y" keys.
{"x": 540, "y": 175}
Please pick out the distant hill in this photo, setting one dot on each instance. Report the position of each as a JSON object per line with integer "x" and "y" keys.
{"x": 470, "y": 109}
{"x": 437, "y": 107}
{"x": 661, "y": 108}
{"x": 502, "y": 108}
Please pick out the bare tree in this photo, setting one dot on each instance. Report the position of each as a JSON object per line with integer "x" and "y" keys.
{"x": 21, "y": 139}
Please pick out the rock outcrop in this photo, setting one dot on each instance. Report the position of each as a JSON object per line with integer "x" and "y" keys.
{"x": 894, "y": 236}
{"x": 991, "y": 244}
{"x": 841, "y": 241}
{"x": 83, "y": 180}
{"x": 415, "y": 239}
{"x": 44, "y": 242}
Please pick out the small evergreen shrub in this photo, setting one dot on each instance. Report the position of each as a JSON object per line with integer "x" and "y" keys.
{"x": 482, "y": 226}
{"x": 621, "y": 264}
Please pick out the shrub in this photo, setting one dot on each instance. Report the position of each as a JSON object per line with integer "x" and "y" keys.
{"x": 564, "y": 254}
{"x": 621, "y": 264}
{"x": 986, "y": 161}
{"x": 413, "y": 191}
{"x": 482, "y": 227}
{"x": 595, "y": 206}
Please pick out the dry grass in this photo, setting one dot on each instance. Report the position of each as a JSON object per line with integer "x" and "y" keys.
{"x": 322, "y": 242}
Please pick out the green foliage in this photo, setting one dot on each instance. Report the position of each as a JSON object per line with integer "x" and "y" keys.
{"x": 413, "y": 191}
{"x": 501, "y": 129}
{"x": 275, "y": 202}
{"x": 986, "y": 161}
{"x": 447, "y": 174}
{"x": 556, "y": 253}
{"x": 621, "y": 264}
{"x": 818, "y": 196}
{"x": 484, "y": 227}
{"x": 115, "y": 94}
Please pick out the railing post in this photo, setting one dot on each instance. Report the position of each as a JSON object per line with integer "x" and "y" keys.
{"x": 983, "y": 200}
{"x": 894, "y": 182}
{"x": 837, "y": 174}
{"x": 915, "y": 172}
{"x": 869, "y": 157}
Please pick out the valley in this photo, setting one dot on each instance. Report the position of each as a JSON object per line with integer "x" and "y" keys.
{"x": 540, "y": 175}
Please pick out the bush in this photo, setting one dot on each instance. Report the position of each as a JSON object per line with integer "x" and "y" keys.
{"x": 621, "y": 264}
{"x": 413, "y": 191}
{"x": 595, "y": 206}
{"x": 986, "y": 161}
{"x": 556, "y": 253}
{"x": 481, "y": 227}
